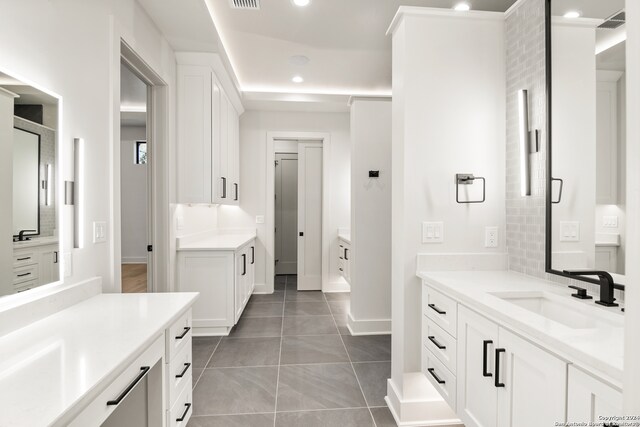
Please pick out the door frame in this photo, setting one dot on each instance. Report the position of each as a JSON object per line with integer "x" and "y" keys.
{"x": 325, "y": 139}
{"x": 158, "y": 131}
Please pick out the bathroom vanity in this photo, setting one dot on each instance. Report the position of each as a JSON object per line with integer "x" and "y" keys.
{"x": 499, "y": 346}
{"x": 110, "y": 359}
{"x": 344, "y": 254}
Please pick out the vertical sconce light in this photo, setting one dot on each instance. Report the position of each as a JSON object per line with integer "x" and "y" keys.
{"x": 73, "y": 193}
{"x": 526, "y": 145}
{"x": 46, "y": 184}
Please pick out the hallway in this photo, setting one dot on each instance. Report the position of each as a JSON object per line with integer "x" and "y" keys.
{"x": 291, "y": 361}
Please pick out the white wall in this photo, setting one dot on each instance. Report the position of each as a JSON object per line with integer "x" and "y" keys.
{"x": 72, "y": 49}
{"x": 133, "y": 197}
{"x": 6, "y": 192}
{"x": 448, "y": 117}
{"x": 254, "y": 126}
{"x": 370, "y": 309}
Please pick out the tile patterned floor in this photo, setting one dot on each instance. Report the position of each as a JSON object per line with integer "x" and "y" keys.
{"x": 290, "y": 362}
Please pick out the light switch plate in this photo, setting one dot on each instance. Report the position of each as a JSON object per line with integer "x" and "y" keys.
{"x": 99, "y": 231}
{"x": 260, "y": 219}
{"x": 610, "y": 221}
{"x": 569, "y": 231}
{"x": 491, "y": 237}
{"x": 432, "y": 232}
{"x": 180, "y": 222}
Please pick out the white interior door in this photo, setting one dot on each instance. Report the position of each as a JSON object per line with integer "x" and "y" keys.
{"x": 310, "y": 216}
{"x": 286, "y": 212}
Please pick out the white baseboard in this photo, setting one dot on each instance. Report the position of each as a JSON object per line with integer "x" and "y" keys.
{"x": 134, "y": 260}
{"x": 261, "y": 288}
{"x": 337, "y": 287}
{"x": 368, "y": 326}
{"x": 419, "y": 405}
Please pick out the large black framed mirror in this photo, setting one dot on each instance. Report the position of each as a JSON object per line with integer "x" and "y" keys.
{"x": 586, "y": 140}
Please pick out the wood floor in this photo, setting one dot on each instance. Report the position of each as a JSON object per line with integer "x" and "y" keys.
{"x": 134, "y": 278}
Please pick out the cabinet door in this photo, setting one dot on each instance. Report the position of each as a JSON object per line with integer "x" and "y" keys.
{"x": 219, "y": 186}
{"x": 48, "y": 264}
{"x": 194, "y": 134}
{"x": 477, "y": 399}
{"x": 251, "y": 277}
{"x": 591, "y": 400}
{"x": 234, "y": 152}
{"x": 223, "y": 150}
{"x": 535, "y": 384}
{"x": 240, "y": 283}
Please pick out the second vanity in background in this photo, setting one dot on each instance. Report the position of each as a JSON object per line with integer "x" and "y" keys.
{"x": 344, "y": 254}
{"x": 221, "y": 266}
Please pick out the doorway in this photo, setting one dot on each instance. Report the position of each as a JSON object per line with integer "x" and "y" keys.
{"x": 135, "y": 182}
{"x": 286, "y": 213}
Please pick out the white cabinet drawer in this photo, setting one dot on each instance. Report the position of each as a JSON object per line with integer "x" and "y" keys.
{"x": 178, "y": 335}
{"x": 440, "y": 343}
{"x": 441, "y": 309}
{"x": 25, "y": 274}
{"x": 24, "y": 258}
{"x": 180, "y": 372}
{"x": 99, "y": 409}
{"x": 441, "y": 378}
{"x": 25, "y": 286}
{"x": 180, "y": 412}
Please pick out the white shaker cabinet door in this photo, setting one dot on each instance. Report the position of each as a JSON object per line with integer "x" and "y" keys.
{"x": 591, "y": 400}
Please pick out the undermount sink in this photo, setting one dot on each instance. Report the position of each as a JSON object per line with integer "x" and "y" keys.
{"x": 562, "y": 310}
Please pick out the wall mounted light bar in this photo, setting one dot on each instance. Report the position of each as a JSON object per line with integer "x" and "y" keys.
{"x": 46, "y": 184}
{"x": 73, "y": 195}
{"x": 527, "y": 146}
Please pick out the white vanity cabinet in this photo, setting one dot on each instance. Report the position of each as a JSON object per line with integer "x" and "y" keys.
{"x": 208, "y": 136}
{"x": 34, "y": 266}
{"x": 344, "y": 259}
{"x": 225, "y": 279}
{"x": 592, "y": 400}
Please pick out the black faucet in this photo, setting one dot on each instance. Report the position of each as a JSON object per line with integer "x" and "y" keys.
{"x": 607, "y": 285}
{"x": 21, "y": 237}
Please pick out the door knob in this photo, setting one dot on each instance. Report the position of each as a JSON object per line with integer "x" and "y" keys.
{"x": 302, "y": 234}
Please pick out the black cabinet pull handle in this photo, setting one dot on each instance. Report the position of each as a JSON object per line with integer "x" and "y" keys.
{"x": 55, "y": 257}
{"x": 435, "y": 377}
{"x": 24, "y": 259}
{"x": 436, "y": 343}
{"x": 117, "y": 400}
{"x": 184, "y": 371}
{"x": 485, "y": 345}
{"x": 253, "y": 254}
{"x": 184, "y": 332}
{"x": 184, "y": 414}
{"x": 497, "y": 382}
{"x": 244, "y": 264}
{"x": 236, "y": 185}
{"x": 346, "y": 253}
{"x": 436, "y": 309}
{"x": 224, "y": 187}
{"x": 23, "y": 274}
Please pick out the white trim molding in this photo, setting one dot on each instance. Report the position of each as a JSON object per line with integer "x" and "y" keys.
{"x": 368, "y": 326}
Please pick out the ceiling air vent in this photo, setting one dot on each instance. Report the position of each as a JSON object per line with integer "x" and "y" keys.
{"x": 245, "y": 4}
{"x": 614, "y": 21}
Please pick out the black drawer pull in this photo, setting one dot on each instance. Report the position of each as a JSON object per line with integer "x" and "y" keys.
{"x": 435, "y": 377}
{"x": 436, "y": 343}
{"x": 436, "y": 309}
{"x": 485, "y": 345}
{"x": 24, "y": 259}
{"x": 143, "y": 372}
{"x": 184, "y": 371}
{"x": 23, "y": 274}
{"x": 346, "y": 254}
{"x": 224, "y": 188}
{"x": 184, "y": 414}
{"x": 236, "y": 186}
{"x": 253, "y": 254}
{"x": 184, "y": 333}
{"x": 497, "y": 382}
{"x": 244, "y": 264}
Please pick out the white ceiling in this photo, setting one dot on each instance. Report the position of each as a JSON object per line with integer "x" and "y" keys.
{"x": 600, "y": 9}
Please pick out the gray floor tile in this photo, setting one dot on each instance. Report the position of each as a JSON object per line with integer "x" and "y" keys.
{"x": 339, "y": 307}
{"x": 277, "y": 296}
{"x": 279, "y": 286}
{"x": 266, "y": 309}
{"x": 370, "y": 348}
{"x": 257, "y": 327}
{"x": 312, "y": 349}
{"x": 341, "y": 321}
{"x": 311, "y": 296}
{"x": 309, "y": 325}
{"x": 383, "y": 417}
{"x": 295, "y": 308}
{"x": 330, "y": 418}
{"x": 338, "y": 296}
{"x": 253, "y": 420}
{"x": 196, "y": 375}
{"x": 308, "y": 387}
{"x": 373, "y": 380}
{"x": 228, "y": 391}
{"x": 202, "y": 350}
{"x": 246, "y": 352}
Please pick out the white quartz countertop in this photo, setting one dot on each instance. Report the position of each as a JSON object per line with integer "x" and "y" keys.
{"x": 215, "y": 241}
{"x": 36, "y": 241}
{"x": 53, "y": 368}
{"x": 598, "y": 348}
{"x": 345, "y": 235}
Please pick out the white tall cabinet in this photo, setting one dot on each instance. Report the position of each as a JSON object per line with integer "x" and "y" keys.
{"x": 208, "y": 147}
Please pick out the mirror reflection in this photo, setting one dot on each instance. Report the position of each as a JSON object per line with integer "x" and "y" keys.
{"x": 29, "y": 203}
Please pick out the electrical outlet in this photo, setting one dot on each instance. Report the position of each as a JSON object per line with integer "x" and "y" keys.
{"x": 260, "y": 219}
{"x": 99, "y": 231}
{"x": 610, "y": 221}
{"x": 569, "y": 231}
{"x": 432, "y": 232}
{"x": 491, "y": 237}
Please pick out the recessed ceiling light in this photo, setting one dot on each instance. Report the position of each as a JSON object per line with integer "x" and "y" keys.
{"x": 297, "y": 79}
{"x": 572, "y": 14}
{"x": 462, "y": 7}
{"x": 301, "y": 3}
{"x": 298, "y": 60}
